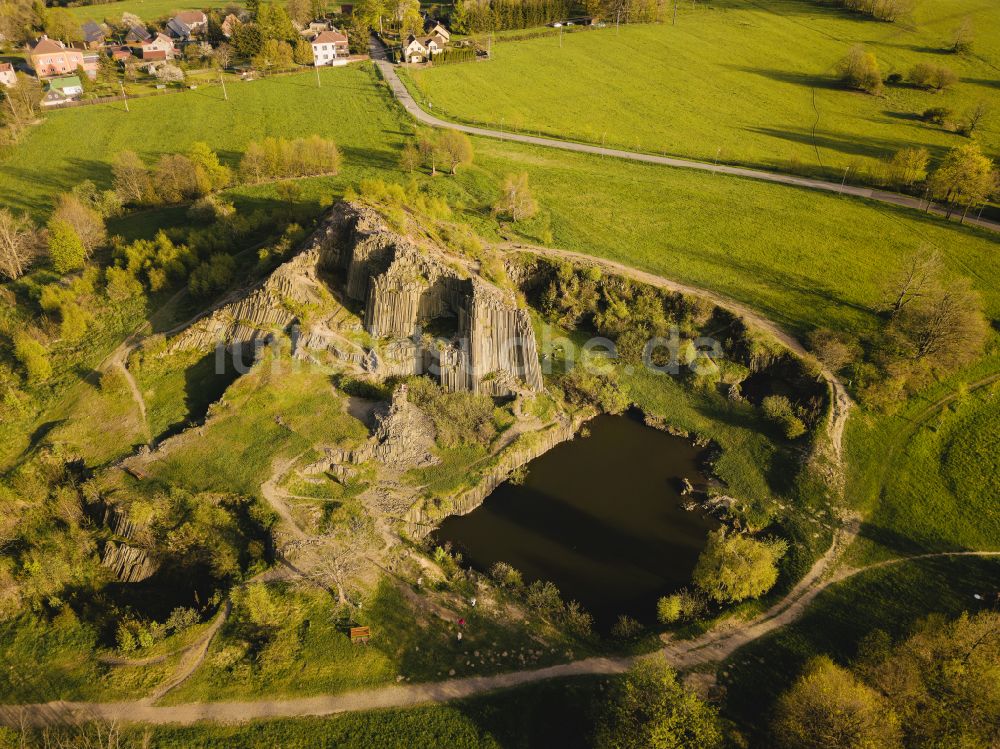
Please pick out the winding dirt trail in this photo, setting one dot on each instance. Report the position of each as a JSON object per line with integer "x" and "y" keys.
{"x": 712, "y": 647}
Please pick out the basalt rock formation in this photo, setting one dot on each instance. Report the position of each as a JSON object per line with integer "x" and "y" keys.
{"x": 130, "y": 564}
{"x": 403, "y": 289}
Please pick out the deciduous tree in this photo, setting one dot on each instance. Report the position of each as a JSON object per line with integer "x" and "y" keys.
{"x": 964, "y": 179}
{"x": 456, "y": 148}
{"x": 649, "y": 709}
{"x": 828, "y": 708}
{"x": 860, "y": 70}
{"x": 734, "y": 567}
{"x": 516, "y": 200}
{"x": 18, "y": 244}
{"x": 65, "y": 247}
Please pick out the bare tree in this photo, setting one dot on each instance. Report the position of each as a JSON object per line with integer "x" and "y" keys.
{"x": 19, "y": 243}
{"x": 131, "y": 178}
{"x": 920, "y": 273}
{"x": 947, "y": 325}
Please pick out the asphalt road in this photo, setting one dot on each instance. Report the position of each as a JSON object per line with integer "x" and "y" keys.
{"x": 403, "y": 95}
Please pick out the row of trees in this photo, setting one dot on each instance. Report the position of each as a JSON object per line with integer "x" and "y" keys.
{"x": 430, "y": 149}
{"x": 278, "y": 158}
{"x": 881, "y": 10}
{"x": 478, "y": 16}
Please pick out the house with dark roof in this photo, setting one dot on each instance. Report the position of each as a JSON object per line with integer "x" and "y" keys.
{"x": 93, "y": 35}
{"x": 137, "y": 35}
{"x": 178, "y": 30}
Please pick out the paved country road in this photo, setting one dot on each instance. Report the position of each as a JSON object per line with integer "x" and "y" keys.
{"x": 403, "y": 95}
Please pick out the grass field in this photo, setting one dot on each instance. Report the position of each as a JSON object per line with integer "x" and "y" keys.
{"x": 890, "y": 599}
{"x": 147, "y": 10}
{"x": 79, "y": 144}
{"x": 925, "y": 478}
{"x": 805, "y": 258}
{"x": 741, "y": 82}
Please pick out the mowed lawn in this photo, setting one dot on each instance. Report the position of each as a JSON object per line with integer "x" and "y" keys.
{"x": 77, "y": 144}
{"x": 751, "y": 83}
{"x": 147, "y": 10}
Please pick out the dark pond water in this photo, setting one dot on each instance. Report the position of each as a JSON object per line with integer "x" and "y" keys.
{"x": 599, "y": 516}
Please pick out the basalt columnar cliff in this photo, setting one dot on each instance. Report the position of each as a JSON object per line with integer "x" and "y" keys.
{"x": 403, "y": 289}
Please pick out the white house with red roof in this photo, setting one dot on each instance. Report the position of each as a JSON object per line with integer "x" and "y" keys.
{"x": 330, "y": 48}
{"x": 8, "y": 77}
{"x": 160, "y": 47}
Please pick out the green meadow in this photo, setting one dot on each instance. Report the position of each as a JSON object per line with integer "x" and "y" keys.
{"x": 748, "y": 83}
{"x": 147, "y": 10}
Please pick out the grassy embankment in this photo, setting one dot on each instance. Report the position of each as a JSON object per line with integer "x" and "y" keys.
{"x": 746, "y": 83}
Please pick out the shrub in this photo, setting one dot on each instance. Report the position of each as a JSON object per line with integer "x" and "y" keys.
{"x": 212, "y": 276}
{"x": 544, "y": 599}
{"x": 506, "y": 576}
{"x": 33, "y": 356}
{"x": 928, "y": 75}
{"x": 860, "y": 70}
{"x": 778, "y": 409}
{"x": 626, "y": 628}
{"x": 938, "y": 115}
{"x": 65, "y": 247}
{"x": 669, "y": 609}
{"x": 577, "y": 621}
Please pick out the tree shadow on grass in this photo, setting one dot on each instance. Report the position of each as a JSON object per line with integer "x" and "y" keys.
{"x": 793, "y": 77}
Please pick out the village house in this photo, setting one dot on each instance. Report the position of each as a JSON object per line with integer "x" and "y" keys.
{"x": 63, "y": 89}
{"x": 137, "y": 35}
{"x": 315, "y": 28}
{"x": 329, "y": 47}
{"x": 436, "y": 28}
{"x": 93, "y": 35}
{"x": 178, "y": 30}
{"x": 8, "y": 77}
{"x": 160, "y": 47}
{"x": 423, "y": 49}
{"x": 49, "y": 57}
{"x": 195, "y": 20}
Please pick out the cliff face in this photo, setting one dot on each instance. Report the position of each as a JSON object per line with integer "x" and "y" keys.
{"x": 405, "y": 289}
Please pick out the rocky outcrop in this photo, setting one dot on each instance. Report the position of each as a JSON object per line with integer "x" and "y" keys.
{"x": 129, "y": 564}
{"x": 403, "y": 439}
{"x": 422, "y": 518}
{"x": 405, "y": 290}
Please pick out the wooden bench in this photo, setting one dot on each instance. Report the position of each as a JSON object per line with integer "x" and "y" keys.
{"x": 360, "y": 634}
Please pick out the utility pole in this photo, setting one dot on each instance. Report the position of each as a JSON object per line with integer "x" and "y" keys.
{"x": 560, "y": 37}
{"x": 318, "y": 84}
{"x": 124, "y": 97}
{"x": 222, "y": 80}
{"x": 844, "y": 180}
{"x": 675, "y": 13}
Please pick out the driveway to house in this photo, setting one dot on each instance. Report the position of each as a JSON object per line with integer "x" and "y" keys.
{"x": 378, "y": 54}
